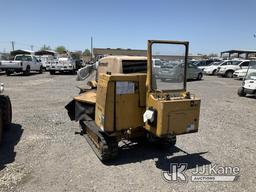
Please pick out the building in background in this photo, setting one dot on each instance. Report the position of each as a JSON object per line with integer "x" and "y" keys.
{"x": 4, "y": 56}
{"x": 234, "y": 53}
{"x": 102, "y": 52}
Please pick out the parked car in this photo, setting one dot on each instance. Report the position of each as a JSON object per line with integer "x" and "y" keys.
{"x": 22, "y": 63}
{"x": 212, "y": 69}
{"x": 201, "y": 64}
{"x": 249, "y": 82}
{"x": 64, "y": 64}
{"x": 157, "y": 63}
{"x": 174, "y": 70}
{"x": 240, "y": 73}
{"x": 230, "y": 67}
{"x": 194, "y": 72}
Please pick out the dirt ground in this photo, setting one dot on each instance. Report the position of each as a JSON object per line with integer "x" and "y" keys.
{"x": 41, "y": 151}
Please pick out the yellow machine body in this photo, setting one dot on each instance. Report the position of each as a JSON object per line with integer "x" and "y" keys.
{"x": 121, "y": 103}
{"x": 175, "y": 116}
{"x": 128, "y": 100}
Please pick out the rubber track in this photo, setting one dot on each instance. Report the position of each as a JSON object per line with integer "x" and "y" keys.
{"x": 109, "y": 145}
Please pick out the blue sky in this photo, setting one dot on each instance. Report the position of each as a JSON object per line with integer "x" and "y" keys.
{"x": 210, "y": 25}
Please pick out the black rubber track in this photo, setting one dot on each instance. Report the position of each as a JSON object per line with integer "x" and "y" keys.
{"x": 6, "y": 108}
{"x": 106, "y": 147}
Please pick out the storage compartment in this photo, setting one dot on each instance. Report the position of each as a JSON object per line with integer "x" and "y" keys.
{"x": 120, "y": 101}
{"x": 182, "y": 122}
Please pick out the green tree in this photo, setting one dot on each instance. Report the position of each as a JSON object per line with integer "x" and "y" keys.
{"x": 86, "y": 52}
{"x": 76, "y": 55}
{"x": 45, "y": 47}
{"x": 60, "y": 49}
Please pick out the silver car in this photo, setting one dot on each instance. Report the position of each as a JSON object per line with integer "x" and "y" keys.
{"x": 173, "y": 71}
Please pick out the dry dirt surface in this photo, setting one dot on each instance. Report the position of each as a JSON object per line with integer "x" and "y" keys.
{"x": 41, "y": 152}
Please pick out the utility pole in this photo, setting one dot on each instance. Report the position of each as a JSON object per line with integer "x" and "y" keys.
{"x": 12, "y": 42}
{"x": 91, "y": 48}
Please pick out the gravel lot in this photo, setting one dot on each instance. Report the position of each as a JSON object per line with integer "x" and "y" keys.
{"x": 41, "y": 152}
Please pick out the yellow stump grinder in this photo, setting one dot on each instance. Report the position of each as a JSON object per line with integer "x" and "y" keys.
{"x": 130, "y": 100}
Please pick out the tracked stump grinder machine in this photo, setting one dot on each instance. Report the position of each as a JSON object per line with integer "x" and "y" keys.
{"x": 128, "y": 100}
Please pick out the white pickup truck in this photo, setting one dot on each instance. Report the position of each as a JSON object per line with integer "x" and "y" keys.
{"x": 46, "y": 60}
{"x": 22, "y": 63}
{"x": 64, "y": 64}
